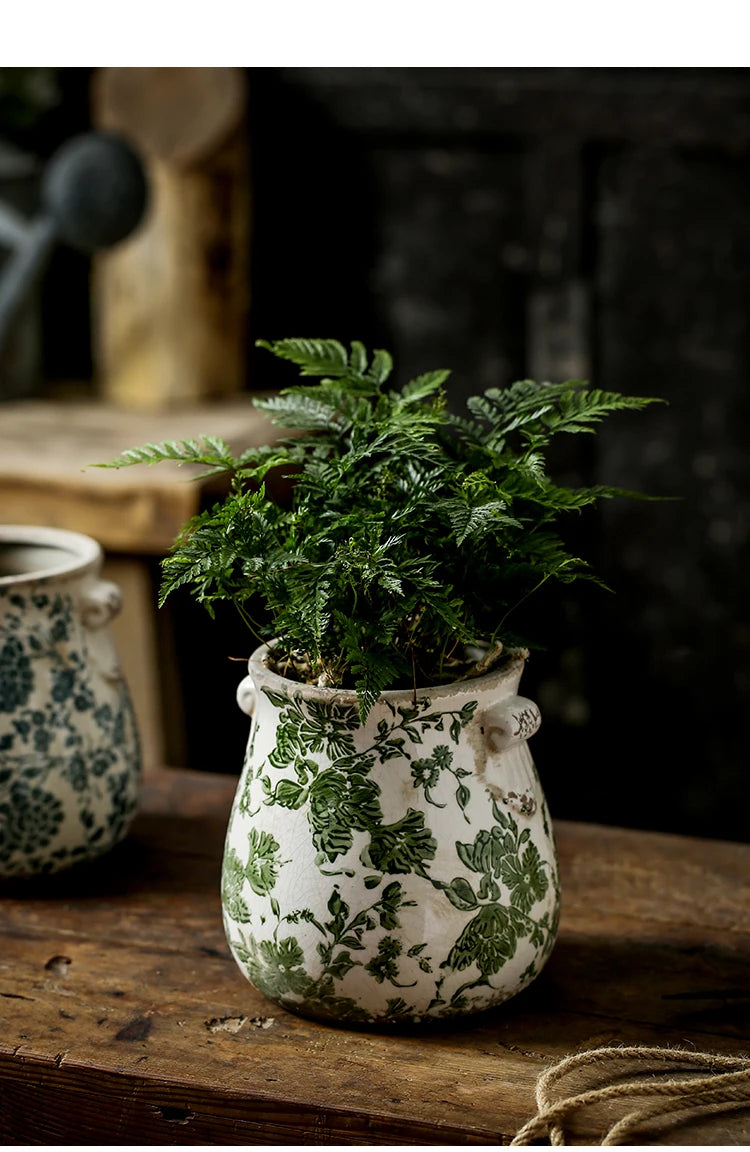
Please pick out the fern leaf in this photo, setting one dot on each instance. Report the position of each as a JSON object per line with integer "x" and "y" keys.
{"x": 423, "y": 386}
{"x": 381, "y": 367}
{"x": 358, "y": 359}
{"x": 312, "y": 357}
{"x": 521, "y": 405}
{"x": 215, "y": 445}
{"x": 531, "y": 466}
{"x": 473, "y": 433}
{"x": 577, "y": 410}
{"x": 297, "y": 409}
{"x": 321, "y": 608}
{"x": 261, "y": 458}
{"x": 373, "y": 672}
{"x": 542, "y": 551}
{"x": 469, "y": 523}
{"x": 559, "y": 499}
{"x": 210, "y": 451}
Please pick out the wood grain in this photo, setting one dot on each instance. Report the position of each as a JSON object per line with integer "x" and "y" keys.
{"x": 47, "y": 447}
{"x": 171, "y": 303}
{"x": 125, "y": 1020}
{"x": 180, "y": 115}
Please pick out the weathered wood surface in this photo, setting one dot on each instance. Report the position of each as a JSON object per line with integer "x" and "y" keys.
{"x": 125, "y": 1020}
{"x": 46, "y": 447}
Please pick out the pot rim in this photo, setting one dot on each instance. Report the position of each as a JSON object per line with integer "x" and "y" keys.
{"x": 79, "y": 554}
{"x": 510, "y": 669}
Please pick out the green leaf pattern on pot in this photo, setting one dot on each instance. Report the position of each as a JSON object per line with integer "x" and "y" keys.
{"x": 69, "y": 757}
{"x": 372, "y": 874}
{"x": 263, "y": 864}
{"x": 405, "y": 846}
{"x": 426, "y": 772}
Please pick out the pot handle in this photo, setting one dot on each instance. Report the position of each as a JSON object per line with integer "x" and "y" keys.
{"x": 246, "y": 695}
{"x": 100, "y": 604}
{"x": 509, "y": 722}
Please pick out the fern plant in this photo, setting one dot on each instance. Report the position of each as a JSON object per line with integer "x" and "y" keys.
{"x": 412, "y": 533}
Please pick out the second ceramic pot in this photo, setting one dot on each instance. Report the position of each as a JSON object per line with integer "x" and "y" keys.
{"x": 69, "y": 754}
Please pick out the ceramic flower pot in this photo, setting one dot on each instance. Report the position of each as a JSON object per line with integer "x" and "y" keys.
{"x": 69, "y": 758}
{"x": 399, "y": 870}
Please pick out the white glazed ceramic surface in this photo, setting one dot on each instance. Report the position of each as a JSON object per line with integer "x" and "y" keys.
{"x": 69, "y": 758}
{"x": 397, "y": 871}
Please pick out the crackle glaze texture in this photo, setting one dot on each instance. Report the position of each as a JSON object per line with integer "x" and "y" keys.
{"x": 69, "y": 757}
{"x": 399, "y": 870}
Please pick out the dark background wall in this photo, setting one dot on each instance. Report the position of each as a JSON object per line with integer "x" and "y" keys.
{"x": 535, "y": 222}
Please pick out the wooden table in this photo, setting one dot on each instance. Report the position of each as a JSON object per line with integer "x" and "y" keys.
{"x": 125, "y": 1021}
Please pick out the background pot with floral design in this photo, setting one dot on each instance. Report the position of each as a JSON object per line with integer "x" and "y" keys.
{"x": 69, "y": 757}
{"x": 398, "y": 869}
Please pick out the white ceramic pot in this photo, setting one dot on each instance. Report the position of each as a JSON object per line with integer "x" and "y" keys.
{"x": 400, "y": 870}
{"x": 69, "y": 758}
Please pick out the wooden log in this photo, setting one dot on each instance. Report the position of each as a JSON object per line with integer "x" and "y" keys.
{"x": 171, "y": 303}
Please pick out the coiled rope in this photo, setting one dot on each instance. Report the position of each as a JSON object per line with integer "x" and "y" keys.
{"x": 651, "y": 1082}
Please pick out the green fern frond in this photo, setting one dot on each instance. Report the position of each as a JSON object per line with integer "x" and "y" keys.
{"x": 312, "y": 357}
{"x": 329, "y": 359}
{"x": 472, "y": 522}
{"x": 373, "y": 672}
{"x": 296, "y": 409}
{"x": 357, "y": 358}
{"x": 539, "y": 410}
{"x": 210, "y": 451}
{"x": 256, "y": 463}
{"x": 559, "y": 499}
{"x": 525, "y": 401}
{"x": 577, "y": 410}
{"x": 381, "y": 367}
{"x": 473, "y": 433}
{"x": 423, "y": 386}
{"x": 408, "y": 530}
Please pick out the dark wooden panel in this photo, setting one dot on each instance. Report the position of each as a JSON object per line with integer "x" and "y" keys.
{"x": 314, "y": 222}
{"x": 673, "y": 281}
{"x": 449, "y": 239}
{"x": 693, "y": 106}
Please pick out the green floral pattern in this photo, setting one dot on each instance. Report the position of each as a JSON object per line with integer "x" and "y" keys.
{"x": 375, "y": 872}
{"x": 69, "y": 759}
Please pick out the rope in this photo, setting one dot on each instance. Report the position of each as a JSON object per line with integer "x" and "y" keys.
{"x": 699, "y": 1082}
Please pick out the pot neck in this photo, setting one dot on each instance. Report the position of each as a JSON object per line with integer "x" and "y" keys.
{"x": 34, "y": 554}
{"x": 506, "y": 676}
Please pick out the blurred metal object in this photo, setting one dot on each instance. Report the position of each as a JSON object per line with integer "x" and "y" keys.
{"x": 93, "y": 194}
{"x": 21, "y": 363}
